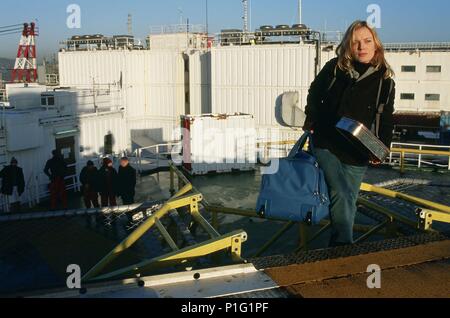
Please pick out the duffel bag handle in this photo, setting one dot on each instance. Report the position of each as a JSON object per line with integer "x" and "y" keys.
{"x": 301, "y": 143}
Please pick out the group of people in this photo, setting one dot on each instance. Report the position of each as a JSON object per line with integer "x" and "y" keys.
{"x": 109, "y": 183}
{"x": 105, "y": 181}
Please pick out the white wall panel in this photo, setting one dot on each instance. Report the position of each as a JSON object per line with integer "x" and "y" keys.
{"x": 252, "y": 79}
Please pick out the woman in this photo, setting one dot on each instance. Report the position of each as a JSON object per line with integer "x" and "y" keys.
{"x": 348, "y": 86}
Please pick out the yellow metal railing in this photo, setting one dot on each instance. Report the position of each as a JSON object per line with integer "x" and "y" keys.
{"x": 182, "y": 198}
{"x": 427, "y": 217}
{"x": 415, "y": 200}
{"x": 231, "y": 242}
{"x": 404, "y": 151}
{"x": 267, "y": 146}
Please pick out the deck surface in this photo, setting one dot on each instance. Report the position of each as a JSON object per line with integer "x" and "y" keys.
{"x": 419, "y": 271}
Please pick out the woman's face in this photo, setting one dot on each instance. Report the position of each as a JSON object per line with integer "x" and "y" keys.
{"x": 363, "y": 47}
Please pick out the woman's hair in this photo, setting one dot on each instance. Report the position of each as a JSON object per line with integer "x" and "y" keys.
{"x": 345, "y": 54}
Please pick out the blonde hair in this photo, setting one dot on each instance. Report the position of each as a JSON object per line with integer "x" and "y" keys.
{"x": 345, "y": 54}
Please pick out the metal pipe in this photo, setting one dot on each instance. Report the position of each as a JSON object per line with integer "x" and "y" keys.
{"x": 372, "y": 231}
{"x": 275, "y": 238}
{"x": 166, "y": 235}
{"x": 204, "y": 224}
{"x": 316, "y": 235}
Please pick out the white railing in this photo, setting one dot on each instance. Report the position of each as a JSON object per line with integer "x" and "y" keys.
{"x": 178, "y": 28}
{"x": 157, "y": 155}
{"x": 420, "y": 158}
{"x": 431, "y": 46}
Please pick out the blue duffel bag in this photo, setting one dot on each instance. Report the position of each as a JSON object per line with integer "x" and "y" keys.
{"x": 296, "y": 191}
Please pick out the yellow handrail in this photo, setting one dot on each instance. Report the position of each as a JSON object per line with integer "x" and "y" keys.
{"x": 403, "y": 151}
{"x": 421, "y": 152}
{"x": 421, "y": 202}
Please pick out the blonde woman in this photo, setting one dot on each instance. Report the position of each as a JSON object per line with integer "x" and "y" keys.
{"x": 348, "y": 86}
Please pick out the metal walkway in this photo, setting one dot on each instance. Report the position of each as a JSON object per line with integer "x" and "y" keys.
{"x": 42, "y": 244}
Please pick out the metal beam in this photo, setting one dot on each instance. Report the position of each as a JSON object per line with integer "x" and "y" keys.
{"x": 373, "y": 231}
{"x": 224, "y": 242}
{"x": 174, "y": 203}
{"x": 166, "y": 235}
{"x": 275, "y": 238}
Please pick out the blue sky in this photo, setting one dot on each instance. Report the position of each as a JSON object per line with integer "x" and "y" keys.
{"x": 402, "y": 20}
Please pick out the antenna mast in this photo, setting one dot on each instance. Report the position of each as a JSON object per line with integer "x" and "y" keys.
{"x": 245, "y": 17}
{"x": 300, "y": 11}
{"x": 25, "y": 68}
{"x": 130, "y": 24}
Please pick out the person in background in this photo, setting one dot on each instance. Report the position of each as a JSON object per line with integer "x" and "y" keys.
{"x": 56, "y": 171}
{"x": 108, "y": 183}
{"x": 126, "y": 181}
{"x": 89, "y": 182}
{"x": 13, "y": 184}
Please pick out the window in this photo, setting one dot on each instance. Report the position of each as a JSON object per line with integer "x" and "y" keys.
{"x": 432, "y": 97}
{"x": 407, "y": 96}
{"x": 43, "y": 101}
{"x": 51, "y": 101}
{"x": 408, "y": 68}
{"x": 434, "y": 69}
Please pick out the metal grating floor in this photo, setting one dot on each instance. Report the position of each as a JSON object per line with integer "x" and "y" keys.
{"x": 346, "y": 251}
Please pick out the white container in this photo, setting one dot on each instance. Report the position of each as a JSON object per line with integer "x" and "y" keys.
{"x": 252, "y": 79}
{"x": 24, "y": 96}
{"x": 151, "y": 83}
{"x": 218, "y": 143}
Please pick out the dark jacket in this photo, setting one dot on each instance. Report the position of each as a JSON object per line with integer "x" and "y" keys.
{"x": 11, "y": 177}
{"x": 89, "y": 178}
{"x": 55, "y": 167}
{"x": 127, "y": 180}
{"x": 348, "y": 97}
{"x": 107, "y": 181}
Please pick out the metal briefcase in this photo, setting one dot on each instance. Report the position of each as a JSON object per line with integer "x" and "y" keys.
{"x": 363, "y": 139}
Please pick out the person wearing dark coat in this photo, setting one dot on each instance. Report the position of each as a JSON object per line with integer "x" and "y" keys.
{"x": 13, "y": 184}
{"x": 89, "y": 185}
{"x": 348, "y": 86}
{"x": 126, "y": 181}
{"x": 107, "y": 177}
{"x": 56, "y": 171}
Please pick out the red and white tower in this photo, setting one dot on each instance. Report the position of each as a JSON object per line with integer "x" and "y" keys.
{"x": 25, "y": 69}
